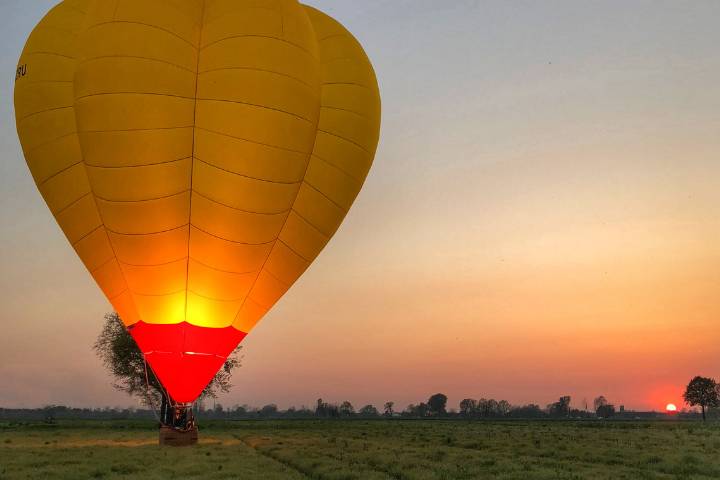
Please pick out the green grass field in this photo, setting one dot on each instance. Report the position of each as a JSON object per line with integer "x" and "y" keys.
{"x": 365, "y": 450}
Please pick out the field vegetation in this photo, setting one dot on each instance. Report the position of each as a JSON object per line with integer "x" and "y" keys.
{"x": 365, "y": 449}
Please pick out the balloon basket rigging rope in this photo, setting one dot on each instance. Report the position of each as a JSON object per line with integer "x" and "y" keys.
{"x": 189, "y": 421}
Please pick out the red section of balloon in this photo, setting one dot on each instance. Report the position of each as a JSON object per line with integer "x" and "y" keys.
{"x": 185, "y": 357}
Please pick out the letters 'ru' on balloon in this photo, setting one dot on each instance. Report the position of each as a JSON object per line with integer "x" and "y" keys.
{"x": 198, "y": 155}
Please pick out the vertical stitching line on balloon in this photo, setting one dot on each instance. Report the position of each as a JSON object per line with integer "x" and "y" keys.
{"x": 282, "y": 23}
{"x": 192, "y": 166}
{"x": 292, "y": 209}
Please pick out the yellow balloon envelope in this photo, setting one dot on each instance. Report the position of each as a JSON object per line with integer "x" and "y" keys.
{"x": 198, "y": 155}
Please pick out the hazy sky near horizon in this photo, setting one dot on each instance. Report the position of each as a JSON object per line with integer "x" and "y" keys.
{"x": 543, "y": 218}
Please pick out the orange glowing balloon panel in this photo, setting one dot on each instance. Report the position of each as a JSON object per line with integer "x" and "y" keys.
{"x": 198, "y": 155}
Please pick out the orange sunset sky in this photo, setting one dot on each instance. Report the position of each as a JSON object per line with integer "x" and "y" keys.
{"x": 542, "y": 219}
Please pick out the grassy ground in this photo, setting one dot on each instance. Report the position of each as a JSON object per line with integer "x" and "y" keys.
{"x": 366, "y": 450}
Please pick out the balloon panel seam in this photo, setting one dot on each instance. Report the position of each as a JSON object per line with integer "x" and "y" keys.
{"x": 338, "y": 168}
{"x": 113, "y": 167}
{"x": 228, "y": 240}
{"x": 343, "y": 209}
{"x": 362, "y": 115}
{"x": 138, "y": 57}
{"x": 373, "y": 89}
{"x": 300, "y": 117}
{"x": 121, "y": 262}
{"x": 267, "y": 214}
{"x": 253, "y": 69}
{"x": 144, "y": 199}
{"x": 59, "y": 172}
{"x": 219, "y": 269}
{"x": 87, "y": 235}
{"x": 154, "y": 94}
{"x": 334, "y": 36}
{"x": 147, "y": 233}
{"x": 54, "y": 54}
{"x": 325, "y": 235}
{"x": 215, "y": 42}
{"x": 115, "y": 130}
{"x": 347, "y": 140}
{"x": 246, "y": 176}
{"x": 33, "y": 114}
{"x": 154, "y": 27}
{"x": 71, "y": 204}
{"x": 252, "y": 141}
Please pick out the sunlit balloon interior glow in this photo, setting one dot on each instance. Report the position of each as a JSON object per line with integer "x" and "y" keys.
{"x": 198, "y": 156}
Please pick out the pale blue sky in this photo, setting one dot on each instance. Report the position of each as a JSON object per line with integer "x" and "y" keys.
{"x": 542, "y": 165}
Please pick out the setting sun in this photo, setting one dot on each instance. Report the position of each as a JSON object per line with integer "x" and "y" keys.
{"x": 671, "y": 408}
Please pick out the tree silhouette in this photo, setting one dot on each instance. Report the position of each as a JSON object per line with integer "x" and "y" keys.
{"x": 437, "y": 404}
{"x": 561, "y": 408}
{"x": 483, "y": 407}
{"x": 468, "y": 407}
{"x": 269, "y": 410}
{"x": 419, "y": 410}
{"x": 600, "y": 401}
{"x": 324, "y": 409}
{"x": 389, "y": 409}
{"x": 492, "y": 407}
{"x": 605, "y": 411}
{"x": 504, "y": 407}
{"x": 703, "y": 392}
{"x": 347, "y": 409}
{"x": 368, "y": 411}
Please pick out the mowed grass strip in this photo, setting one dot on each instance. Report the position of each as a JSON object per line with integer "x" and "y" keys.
{"x": 356, "y": 449}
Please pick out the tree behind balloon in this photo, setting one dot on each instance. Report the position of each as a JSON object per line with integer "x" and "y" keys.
{"x": 124, "y": 360}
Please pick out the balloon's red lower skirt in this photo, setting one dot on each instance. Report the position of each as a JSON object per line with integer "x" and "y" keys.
{"x": 185, "y": 357}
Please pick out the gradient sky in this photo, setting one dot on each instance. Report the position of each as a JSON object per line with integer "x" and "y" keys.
{"x": 543, "y": 218}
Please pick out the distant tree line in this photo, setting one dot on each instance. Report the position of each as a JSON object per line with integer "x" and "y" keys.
{"x": 53, "y": 413}
{"x": 434, "y": 407}
{"x": 703, "y": 392}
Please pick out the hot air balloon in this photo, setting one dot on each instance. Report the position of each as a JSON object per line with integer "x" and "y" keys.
{"x": 198, "y": 155}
